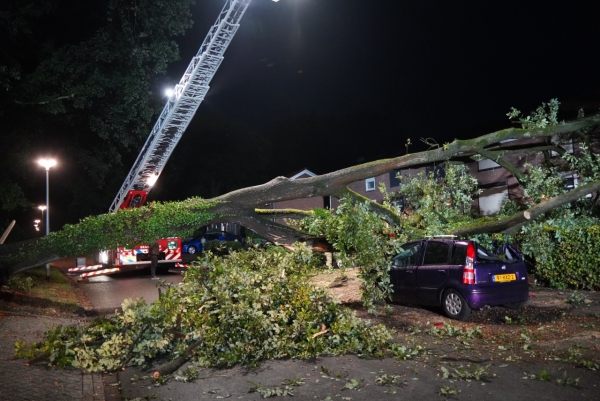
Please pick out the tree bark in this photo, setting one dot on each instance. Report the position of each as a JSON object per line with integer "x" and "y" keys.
{"x": 508, "y": 224}
{"x": 245, "y": 206}
{"x": 175, "y": 364}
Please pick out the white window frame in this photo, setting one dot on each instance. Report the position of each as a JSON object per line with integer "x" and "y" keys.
{"x": 487, "y": 164}
{"x": 491, "y": 198}
{"x": 575, "y": 177}
{"x": 567, "y": 145}
{"x": 370, "y": 184}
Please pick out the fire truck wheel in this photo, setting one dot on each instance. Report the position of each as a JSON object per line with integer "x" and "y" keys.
{"x": 191, "y": 249}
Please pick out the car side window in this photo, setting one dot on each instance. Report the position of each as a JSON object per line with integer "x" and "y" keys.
{"x": 408, "y": 257}
{"x": 436, "y": 253}
{"x": 459, "y": 255}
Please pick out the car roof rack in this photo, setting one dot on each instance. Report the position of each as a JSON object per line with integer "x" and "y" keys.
{"x": 451, "y": 236}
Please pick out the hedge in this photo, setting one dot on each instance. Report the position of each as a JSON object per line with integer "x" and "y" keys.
{"x": 568, "y": 258}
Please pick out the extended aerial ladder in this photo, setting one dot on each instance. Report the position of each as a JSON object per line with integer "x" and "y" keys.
{"x": 170, "y": 126}
{"x": 180, "y": 108}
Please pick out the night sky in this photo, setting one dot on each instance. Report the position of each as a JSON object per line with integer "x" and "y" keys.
{"x": 363, "y": 76}
{"x": 326, "y": 84}
{"x": 433, "y": 65}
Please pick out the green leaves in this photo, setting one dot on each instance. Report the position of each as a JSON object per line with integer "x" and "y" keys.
{"x": 479, "y": 373}
{"x": 544, "y": 116}
{"x": 363, "y": 239}
{"x": 129, "y": 227}
{"x": 241, "y": 306}
{"x": 560, "y": 261}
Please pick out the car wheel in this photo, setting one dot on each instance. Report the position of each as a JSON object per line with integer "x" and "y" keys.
{"x": 455, "y": 306}
{"x": 191, "y": 249}
{"x": 514, "y": 305}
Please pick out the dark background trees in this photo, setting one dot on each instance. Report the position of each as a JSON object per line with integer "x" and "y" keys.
{"x": 80, "y": 84}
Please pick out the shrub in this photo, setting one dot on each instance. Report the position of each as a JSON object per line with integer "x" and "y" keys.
{"x": 567, "y": 257}
{"x": 20, "y": 283}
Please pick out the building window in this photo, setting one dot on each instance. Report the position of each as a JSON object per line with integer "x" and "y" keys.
{"x": 486, "y": 164}
{"x": 394, "y": 178}
{"x": 370, "y": 184}
{"x": 570, "y": 181}
{"x": 398, "y": 203}
{"x": 566, "y": 144}
{"x": 436, "y": 172}
{"x": 491, "y": 198}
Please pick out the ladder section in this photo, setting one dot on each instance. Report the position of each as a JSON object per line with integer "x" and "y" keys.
{"x": 182, "y": 105}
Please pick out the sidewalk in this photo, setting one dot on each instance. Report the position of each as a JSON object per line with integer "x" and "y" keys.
{"x": 40, "y": 382}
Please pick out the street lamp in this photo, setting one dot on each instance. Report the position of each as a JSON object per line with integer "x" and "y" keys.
{"x": 42, "y": 208}
{"x": 47, "y": 163}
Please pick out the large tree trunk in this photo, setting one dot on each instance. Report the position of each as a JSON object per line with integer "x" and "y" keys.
{"x": 244, "y": 206}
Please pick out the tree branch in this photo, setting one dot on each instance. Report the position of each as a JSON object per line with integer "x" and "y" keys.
{"x": 507, "y": 165}
{"x": 240, "y": 205}
{"x": 282, "y": 188}
{"x": 72, "y": 95}
{"x": 518, "y": 219}
{"x": 284, "y": 212}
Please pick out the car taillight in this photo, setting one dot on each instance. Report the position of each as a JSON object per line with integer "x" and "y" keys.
{"x": 469, "y": 270}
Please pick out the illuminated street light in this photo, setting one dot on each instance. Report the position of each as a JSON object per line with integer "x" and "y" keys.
{"x": 42, "y": 208}
{"x": 47, "y": 163}
{"x": 169, "y": 92}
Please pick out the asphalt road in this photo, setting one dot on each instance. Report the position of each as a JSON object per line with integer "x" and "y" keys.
{"x": 106, "y": 293}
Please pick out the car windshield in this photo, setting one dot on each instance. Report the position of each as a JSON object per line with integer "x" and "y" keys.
{"x": 408, "y": 255}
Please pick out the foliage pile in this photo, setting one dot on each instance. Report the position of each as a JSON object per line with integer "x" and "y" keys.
{"x": 224, "y": 247}
{"x": 363, "y": 239}
{"x": 239, "y": 309}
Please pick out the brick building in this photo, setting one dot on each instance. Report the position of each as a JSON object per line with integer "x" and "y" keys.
{"x": 495, "y": 182}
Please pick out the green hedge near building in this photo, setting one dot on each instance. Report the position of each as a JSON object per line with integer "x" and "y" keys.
{"x": 568, "y": 258}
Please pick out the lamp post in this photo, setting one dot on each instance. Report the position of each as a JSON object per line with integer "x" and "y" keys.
{"x": 47, "y": 163}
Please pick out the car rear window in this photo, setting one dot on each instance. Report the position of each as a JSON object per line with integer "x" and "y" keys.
{"x": 436, "y": 253}
{"x": 483, "y": 253}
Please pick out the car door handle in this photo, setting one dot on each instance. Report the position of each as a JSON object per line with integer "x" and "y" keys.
{"x": 410, "y": 271}
{"x": 442, "y": 271}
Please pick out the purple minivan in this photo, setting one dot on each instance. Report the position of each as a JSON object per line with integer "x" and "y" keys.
{"x": 458, "y": 276}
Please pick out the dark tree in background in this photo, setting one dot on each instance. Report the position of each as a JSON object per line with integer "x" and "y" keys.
{"x": 79, "y": 83}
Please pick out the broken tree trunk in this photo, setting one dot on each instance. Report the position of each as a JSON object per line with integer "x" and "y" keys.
{"x": 243, "y": 205}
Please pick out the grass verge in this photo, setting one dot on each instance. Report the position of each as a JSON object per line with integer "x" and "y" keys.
{"x": 33, "y": 289}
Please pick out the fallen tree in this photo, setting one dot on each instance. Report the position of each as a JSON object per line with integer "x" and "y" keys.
{"x": 257, "y": 304}
{"x": 243, "y": 206}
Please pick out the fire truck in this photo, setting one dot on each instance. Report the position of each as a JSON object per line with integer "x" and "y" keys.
{"x": 175, "y": 117}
